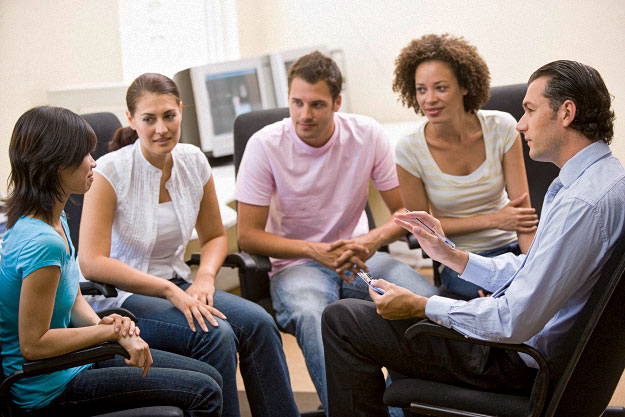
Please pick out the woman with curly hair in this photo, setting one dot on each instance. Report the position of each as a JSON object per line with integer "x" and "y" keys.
{"x": 462, "y": 164}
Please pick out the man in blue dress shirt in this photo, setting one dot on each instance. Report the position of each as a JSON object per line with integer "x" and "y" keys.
{"x": 536, "y": 297}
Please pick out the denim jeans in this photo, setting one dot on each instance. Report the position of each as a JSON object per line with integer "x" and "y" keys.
{"x": 112, "y": 385}
{"x": 300, "y": 293}
{"x": 248, "y": 330}
{"x": 466, "y": 289}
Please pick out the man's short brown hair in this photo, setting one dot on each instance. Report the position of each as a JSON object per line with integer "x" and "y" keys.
{"x": 316, "y": 67}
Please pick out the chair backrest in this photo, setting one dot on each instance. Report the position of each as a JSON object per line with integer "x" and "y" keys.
{"x": 591, "y": 357}
{"x": 509, "y": 98}
{"x": 249, "y": 123}
{"x": 254, "y": 286}
{"x": 104, "y": 125}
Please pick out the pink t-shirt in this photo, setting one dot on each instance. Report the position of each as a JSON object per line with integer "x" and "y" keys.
{"x": 315, "y": 194}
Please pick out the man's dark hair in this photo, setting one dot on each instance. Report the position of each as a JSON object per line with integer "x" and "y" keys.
{"x": 317, "y": 67}
{"x": 583, "y": 85}
{"x": 45, "y": 140}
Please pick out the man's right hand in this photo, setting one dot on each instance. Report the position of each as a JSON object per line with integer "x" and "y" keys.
{"x": 139, "y": 351}
{"x": 397, "y": 303}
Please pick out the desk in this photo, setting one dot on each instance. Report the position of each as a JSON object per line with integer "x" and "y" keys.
{"x": 223, "y": 177}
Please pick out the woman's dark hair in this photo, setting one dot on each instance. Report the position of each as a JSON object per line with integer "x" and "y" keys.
{"x": 467, "y": 65}
{"x": 316, "y": 67}
{"x": 146, "y": 83}
{"x": 583, "y": 85}
{"x": 45, "y": 140}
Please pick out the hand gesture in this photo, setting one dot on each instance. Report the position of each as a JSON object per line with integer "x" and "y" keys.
{"x": 354, "y": 257}
{"x": 428, "y": 241}
{"x": 139, "y": 352}
{"x": 397, "y": 303}
{"x": 515, "y": 218}
{"x": 121, "y": 325}
{"x": 192, "y": 308}
{"x": 202, "y": 290}
{"x": 342, "y": 255}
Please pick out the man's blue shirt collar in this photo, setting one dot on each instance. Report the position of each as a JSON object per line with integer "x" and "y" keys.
{"x": 576, "y": 166}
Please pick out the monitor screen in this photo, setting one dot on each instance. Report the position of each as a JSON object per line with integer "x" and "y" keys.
{"x": 231, "y": 94}
{"x": 287, "y": 65}
{"x": 215, "y": 94}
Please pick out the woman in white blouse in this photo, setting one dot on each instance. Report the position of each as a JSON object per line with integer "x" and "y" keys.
{"x": 147, "y": 197}
{"x": 462, "y": 164}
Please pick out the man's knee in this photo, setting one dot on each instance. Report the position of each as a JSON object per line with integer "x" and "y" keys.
{"x": 340, "y": 311}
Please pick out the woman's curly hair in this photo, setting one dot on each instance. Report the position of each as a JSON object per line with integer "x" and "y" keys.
{"x": 468, "y": 67}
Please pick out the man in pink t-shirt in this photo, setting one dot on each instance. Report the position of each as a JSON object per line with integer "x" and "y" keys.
{"x": 302, "y": 188}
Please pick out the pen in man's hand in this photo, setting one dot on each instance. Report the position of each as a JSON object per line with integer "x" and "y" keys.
{"x": 441, "y": 237}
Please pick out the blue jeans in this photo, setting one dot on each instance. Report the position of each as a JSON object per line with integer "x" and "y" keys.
{"x": 248, "y": 330}
{"x": 466, "y": 289}
{"x": 300, "y": 293}
{"x": 112, "y": 385}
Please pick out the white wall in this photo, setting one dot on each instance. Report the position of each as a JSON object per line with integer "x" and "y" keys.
{"x": 47, "y": 44}
{"x": 515, "y": 38}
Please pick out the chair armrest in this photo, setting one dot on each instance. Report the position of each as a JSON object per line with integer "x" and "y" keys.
{"x": 253, "y": 278}
{"x": 253, "y": 271}
{"x": 426, "y": 327}
{"x": 97, "y": 288}
{"x": 249, "y": 262}
{"x": 541, "y": 383}
{"x": 253, "y": 275}
{"x": 412, "y": 241}
{"x": 193, "y": 260}
{"x": 103, "y": 351}
{"x": 118, "y": 310}
{"x": 241, "y": 260}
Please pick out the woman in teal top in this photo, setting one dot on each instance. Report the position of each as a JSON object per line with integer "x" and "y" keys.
{"x": 42, "y": 312}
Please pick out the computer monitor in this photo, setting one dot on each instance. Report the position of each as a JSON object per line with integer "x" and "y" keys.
{"x": 281, "y": 61}
{"x": 214, "y": 95}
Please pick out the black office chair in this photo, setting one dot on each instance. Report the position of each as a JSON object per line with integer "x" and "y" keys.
{"x": 103, "y": 351}
{"x": 509, "y": 98}
{"x": 579, "y": 382}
